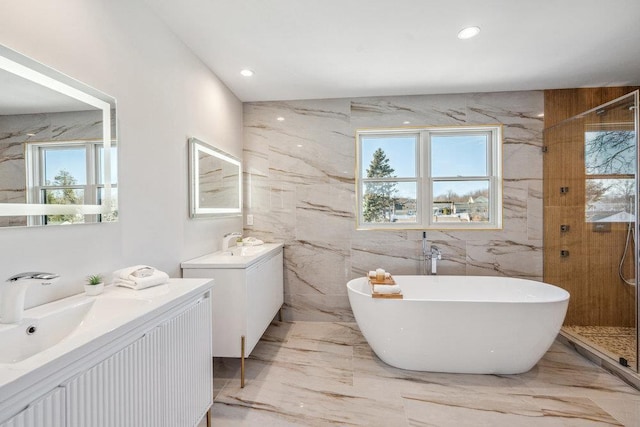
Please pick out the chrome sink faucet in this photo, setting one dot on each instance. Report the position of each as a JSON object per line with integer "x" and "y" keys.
{"x": 14, "y": 290}
{"x": 228, "y": 237}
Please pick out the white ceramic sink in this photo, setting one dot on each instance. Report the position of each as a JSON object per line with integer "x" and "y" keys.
{"x": 234, "y": 257}
{"x": 41, "y": 329}
{"x": 47, "y": 325}
{"x": 244, "y": 251}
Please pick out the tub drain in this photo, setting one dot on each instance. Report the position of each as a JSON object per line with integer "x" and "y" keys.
{"x": 31, "y": 330}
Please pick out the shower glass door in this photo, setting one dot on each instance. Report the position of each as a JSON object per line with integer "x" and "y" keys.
{"x": 591, "y": 188}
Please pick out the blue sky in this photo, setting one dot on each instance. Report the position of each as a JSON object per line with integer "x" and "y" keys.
{"x": 71, "y": 160}
{"x": 456, "y": 156}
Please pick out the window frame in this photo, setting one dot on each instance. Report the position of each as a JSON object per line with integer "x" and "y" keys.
{"x": 35, "y": 163}
{"x": 425, "y": 180}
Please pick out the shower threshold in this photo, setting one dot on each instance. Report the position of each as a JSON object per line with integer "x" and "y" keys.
{"x": 605, "y": 346}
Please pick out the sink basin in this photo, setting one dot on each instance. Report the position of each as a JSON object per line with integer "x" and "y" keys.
{"x": 47, "y": 325}
{"x": 40, "y": 329}
{"x": 244, "y": 251}
{"x": 234, "y": 257}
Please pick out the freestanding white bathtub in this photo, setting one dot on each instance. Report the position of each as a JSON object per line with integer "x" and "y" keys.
{"x": 461, "y": 324}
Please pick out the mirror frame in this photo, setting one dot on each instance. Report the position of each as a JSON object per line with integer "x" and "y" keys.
{"x": 197, "y": 146}
{"x": 34, "y": 71}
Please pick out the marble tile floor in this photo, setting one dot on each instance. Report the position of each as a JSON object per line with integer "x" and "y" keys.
{"x": 325, "y": 374}
{"x": 613, "y": 341}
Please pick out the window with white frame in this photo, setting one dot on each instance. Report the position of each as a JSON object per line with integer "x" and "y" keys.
{"x": 431, "y": 178}
{"x": 70, "y": 173}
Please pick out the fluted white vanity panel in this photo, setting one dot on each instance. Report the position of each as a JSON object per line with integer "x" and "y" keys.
{"x": 45, "y": 412}
{"x": 189, "y": 369}
{"x": 124, "y": 390}
{"x": 162, "y": 379}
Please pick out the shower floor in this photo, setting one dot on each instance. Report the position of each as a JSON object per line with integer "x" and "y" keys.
{"x": 613, "y": 341}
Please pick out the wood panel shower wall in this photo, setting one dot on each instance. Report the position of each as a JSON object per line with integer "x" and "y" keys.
{"x": 590, "y": 271}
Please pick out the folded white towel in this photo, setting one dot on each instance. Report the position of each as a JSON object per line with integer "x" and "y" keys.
{"x": 386, "y": 289}
{"x": 139, "y": 277}
{"x": 144, "y": 272}
{"x": 252, "y": 241}
{"x": 131, "y": 273}
{"x": 157, "y": 278}
{"x": 372, "y": 275}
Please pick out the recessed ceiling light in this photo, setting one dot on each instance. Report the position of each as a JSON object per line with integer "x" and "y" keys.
{"x": 31, "y": 134}
{"x": 299, "y": 145}
{"x": 406, "y": 122}
{"x": 280, "y": 119}
{"x": 467, "y": 33}
{"x": 541, "y": 115}
{"x": 247, "y": 72}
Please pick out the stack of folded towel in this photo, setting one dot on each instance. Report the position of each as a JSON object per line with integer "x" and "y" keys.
{"x": 383, "y": 283}
{"x": 139, "y": 277}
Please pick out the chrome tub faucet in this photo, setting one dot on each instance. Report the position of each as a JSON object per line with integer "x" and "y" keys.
{"x": 433, "y": 254}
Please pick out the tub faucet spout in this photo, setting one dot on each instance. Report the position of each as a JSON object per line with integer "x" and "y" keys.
{"x": 434, "y": 256}
{"x": 14, "y": 290}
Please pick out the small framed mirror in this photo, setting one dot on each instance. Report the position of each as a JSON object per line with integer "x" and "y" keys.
{"x": 215, "y": 181}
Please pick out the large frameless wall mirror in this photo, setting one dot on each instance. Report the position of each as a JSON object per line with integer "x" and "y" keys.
{"x": 216, "y": 181}
{"x": 58, "y": 148}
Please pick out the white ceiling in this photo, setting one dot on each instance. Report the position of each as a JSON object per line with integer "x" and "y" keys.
{"x": 304, "y": 49}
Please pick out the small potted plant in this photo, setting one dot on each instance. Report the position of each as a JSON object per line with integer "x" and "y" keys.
{"x": 94, "y": 285}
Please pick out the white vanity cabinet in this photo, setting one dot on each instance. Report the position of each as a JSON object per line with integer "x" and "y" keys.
{"x": 247, "y": 295}
{"x": 149, "y": 365}
{"x": 47, "y": 411}
{"x": 161, "y": 379}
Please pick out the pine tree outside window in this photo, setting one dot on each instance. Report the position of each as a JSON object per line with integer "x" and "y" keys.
{"x": 430, "y": 178}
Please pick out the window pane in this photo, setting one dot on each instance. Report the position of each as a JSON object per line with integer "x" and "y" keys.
{"x": 609, "y": 152}
{"x": 65, "y": 166}
{"x": 609, "y": 200}
{"x": 388, "y": 156}
{"x": 461, "y": 201}
{"x": 389, "y": 202}
{"x": 459, "y": 155}
{"x": 64, "y": 196}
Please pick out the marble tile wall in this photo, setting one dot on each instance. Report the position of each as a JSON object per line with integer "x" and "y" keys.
{"x": 300, "y": 189}
{"x": 42, "y": 127}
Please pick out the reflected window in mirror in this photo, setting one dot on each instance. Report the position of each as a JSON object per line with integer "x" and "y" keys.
{"x": 69, "y": 173}
{"x": 216, "y": 181}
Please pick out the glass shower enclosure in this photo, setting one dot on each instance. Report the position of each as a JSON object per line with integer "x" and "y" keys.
{"x": 591, "y": 203}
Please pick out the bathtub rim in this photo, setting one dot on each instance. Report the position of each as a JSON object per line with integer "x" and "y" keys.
{"x": 562, "y": 294}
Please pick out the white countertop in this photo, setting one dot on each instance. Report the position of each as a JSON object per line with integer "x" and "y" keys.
{"x": 114, "y": 314}
{"x": 223, "y": 259}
